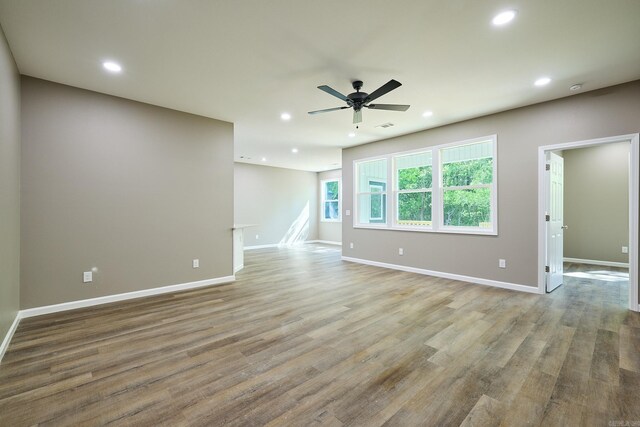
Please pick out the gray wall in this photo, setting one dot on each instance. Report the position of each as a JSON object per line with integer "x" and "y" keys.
{"x": 274, "y": 198}
{"x": 607, "y": 112}
{"x": 9, "y": 188}
{"x": 596, "y": 202}
{"x": 134, "y": 190}
{"x": 330, "y": 231}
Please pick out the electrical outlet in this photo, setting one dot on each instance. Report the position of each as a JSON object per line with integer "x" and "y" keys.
{"x": 347, "y": 212}
{"x": 257, "y": 237}
{"x": 196, "y": 263}
{"x": 400, "y": 251}
{"x": 625, "y": 249}
{"x": 87, "y": 276}
{"x": 502, "y": 263}
{"x": 351, "y": 245}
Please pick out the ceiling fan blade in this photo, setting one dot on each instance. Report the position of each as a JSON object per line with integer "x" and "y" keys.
{"x": 332, "y": 91}
{"x": 357, "y": 116}
{"x": 385, "y": 88}
{"x": 390, "y": 107}
{"x": 327, "y": 110}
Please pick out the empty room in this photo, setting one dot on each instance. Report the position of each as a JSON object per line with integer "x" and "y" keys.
{"x": 291, "y": 213}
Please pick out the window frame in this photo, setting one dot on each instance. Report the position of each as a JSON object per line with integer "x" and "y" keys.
{"x": 323, "y": 200}
{"x": 437, "y": 191}
{"x": 383, "y": 201}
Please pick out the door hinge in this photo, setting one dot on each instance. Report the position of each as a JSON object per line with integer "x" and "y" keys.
{"x": 547, "y": 167}
{"x": 546, "y": 269}
{"x": 547, "y": 217}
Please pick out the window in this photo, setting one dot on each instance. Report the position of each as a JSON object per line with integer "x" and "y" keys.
{"x": 445, "y": 188}
{"x": 378, "y": 205}
{"x": 371, "y": 192}
{"x": 467, "y": 178}
{"x": 330, "y": 200}
{"x": 413, "y": 181}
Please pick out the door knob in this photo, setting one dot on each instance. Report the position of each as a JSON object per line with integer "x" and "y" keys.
{"x": 565, "y": 227}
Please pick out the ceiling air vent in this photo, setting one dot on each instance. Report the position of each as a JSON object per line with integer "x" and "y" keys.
{"x": 385, "y": 125}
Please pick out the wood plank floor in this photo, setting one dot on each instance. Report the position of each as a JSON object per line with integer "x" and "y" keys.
{"x": 303, "y": 338}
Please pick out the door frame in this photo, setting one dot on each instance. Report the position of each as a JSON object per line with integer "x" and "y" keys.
{"x": 634, "y": 186}
{"x": 551, "y": 278}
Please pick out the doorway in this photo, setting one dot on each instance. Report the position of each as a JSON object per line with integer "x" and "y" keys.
{"x": 550, "y": 232}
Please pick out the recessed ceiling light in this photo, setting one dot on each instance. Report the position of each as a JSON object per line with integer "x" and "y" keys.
{"x": 427, "y": 114}
{"x": 264, "y": 159}
{"x": 352, "y": 134}
{"x": 285, "y": 116}
{"x": 294, "y": 150}
{"x": 542, "y": 81}
{"x": 503, "y": 17}
{"x": 114, "y": 67}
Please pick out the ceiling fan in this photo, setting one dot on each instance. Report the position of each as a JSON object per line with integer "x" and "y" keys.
{"x": 357, "y": 99}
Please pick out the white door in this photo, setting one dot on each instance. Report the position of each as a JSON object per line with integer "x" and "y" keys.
{"x": 555, "y": 226}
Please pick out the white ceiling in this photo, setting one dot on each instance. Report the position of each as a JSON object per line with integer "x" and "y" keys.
{"x": 247, "y": 61}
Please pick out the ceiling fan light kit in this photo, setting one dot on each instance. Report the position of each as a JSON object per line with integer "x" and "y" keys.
{"x": 357, "y": 100}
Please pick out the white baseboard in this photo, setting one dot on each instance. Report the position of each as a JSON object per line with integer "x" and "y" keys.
{"x": 238, "y": 268}
{"x": 326, "y": 242}
{"x": 38, "y": 311}
{"x": 480, "y": 281}
{"x": 249, "y": 248}
{"x": 595, "y": 262}
{"x": 9, "y": 335}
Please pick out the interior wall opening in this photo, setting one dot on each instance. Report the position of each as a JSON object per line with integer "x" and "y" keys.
{"x": 589, "y": 233}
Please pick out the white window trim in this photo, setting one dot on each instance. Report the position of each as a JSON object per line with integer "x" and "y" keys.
{"x": 437, "y": 192}
{"x": 322, "y": 200}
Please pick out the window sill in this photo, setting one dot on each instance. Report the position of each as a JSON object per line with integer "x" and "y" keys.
{"x": 429, "y": 230}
